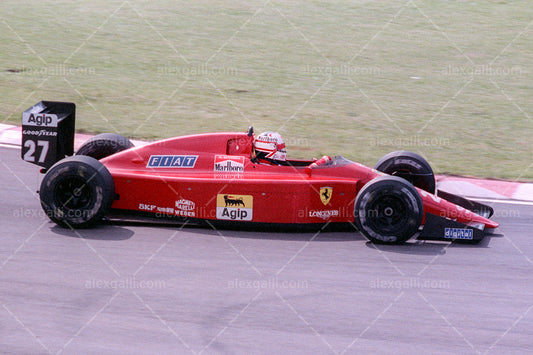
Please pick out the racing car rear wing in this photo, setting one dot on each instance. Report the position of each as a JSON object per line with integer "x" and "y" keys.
{"x": 48, "y": 132}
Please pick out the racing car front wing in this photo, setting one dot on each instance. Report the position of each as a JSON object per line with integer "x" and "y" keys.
{"x": 441, "y": 228}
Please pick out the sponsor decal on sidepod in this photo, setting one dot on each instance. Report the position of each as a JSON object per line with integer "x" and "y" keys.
{"x": 229, "y": 164}
{"x": 235, "y": 207}
{"x": 172, "y": 161}
{"x": 185, "y": 208}
{"x": 324, "y": 214}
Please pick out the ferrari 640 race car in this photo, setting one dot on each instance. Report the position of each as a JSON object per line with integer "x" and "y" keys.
{"x": 212, "y": 177}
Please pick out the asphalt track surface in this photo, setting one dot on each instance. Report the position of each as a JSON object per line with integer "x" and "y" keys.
{"x": 141, "y": 288}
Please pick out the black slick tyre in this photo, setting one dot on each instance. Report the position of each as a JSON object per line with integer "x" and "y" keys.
{"x": 410, "y": 166}
{"x": 388, "y": 210}
{"x": 77, "y": 192}
{"x": 104, "y": 145}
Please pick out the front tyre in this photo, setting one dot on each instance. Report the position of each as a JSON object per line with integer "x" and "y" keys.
{"x": 388, "y": 210}
{"x": 104, "y": 145}
{"x": 77, "y": 192}
{"x": 410, "y": 166}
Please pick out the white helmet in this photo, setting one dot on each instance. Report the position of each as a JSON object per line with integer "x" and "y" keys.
{"x": 270, "y": 146}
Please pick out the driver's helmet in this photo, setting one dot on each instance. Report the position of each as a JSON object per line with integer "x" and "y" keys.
{"x": 269, "y": 146}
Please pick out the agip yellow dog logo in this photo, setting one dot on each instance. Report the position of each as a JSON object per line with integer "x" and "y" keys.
{"x": 235, "y": 207}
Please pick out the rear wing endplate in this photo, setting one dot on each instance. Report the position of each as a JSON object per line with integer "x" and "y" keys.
{"x": 48, "y": 132}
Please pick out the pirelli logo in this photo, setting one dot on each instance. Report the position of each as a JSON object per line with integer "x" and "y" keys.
{"x": 235, "y": 207}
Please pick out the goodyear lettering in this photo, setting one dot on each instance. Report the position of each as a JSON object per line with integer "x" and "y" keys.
{"x": 172, "y": 161}
{"x": 459, "y": 233}
{"x": 39, "y": 133}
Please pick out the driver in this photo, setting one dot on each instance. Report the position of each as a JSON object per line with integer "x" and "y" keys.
{"x": 270, "y": 149}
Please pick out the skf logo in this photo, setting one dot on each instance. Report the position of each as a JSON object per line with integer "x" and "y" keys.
{"x": 43, "y": 119}
{"x": 172, "y": 161}
{"x": 235, "y": 207}
{"x": 229, "y": 164}
{"x": 325, "y": 194}
{"x": 146, "y": 207}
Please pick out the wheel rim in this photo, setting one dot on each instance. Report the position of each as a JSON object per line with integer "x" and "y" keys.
{"x": 387, "y": 213}
{"x": 73, "y": 193}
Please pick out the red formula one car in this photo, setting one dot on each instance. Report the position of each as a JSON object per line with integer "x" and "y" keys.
{"x": 212, "y": 177}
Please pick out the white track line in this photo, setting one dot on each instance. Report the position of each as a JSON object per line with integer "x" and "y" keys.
{"x": 510, "y": 201}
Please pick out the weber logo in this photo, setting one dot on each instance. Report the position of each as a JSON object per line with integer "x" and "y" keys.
{"x": 172, "y": 161}
{"x": 39, "y": 119}
{"x": 235, "y": 207}
{"x": 229, "y": 164}
{"x": 459, "y": 233}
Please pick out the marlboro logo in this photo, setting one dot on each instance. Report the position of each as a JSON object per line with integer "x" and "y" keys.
{"x": 229, "y": 164}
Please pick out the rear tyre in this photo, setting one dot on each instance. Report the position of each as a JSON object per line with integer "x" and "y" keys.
{"x": 104, "y": 145}
{"x": 410, "y": 166}
{"x": 388, "y": 210}
{"x": 77, "y": 192}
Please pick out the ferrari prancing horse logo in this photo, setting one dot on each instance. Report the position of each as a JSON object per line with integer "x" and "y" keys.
{"x": 325, "y": 194}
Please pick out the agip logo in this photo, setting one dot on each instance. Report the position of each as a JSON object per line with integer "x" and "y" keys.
{"x": 235, "y": 207}
{"x": 39, "y": 119}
